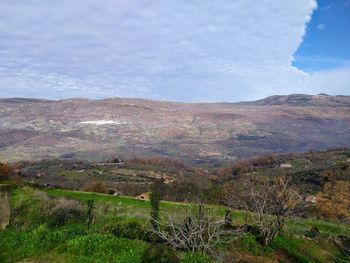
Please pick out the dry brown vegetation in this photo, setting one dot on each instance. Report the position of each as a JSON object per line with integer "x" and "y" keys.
{"x": 95, "y": 186}
{"x": 157, "y": 161}
{"x": 270, "y": 201}
{"x": 5, "y": 171}
{"x": 334, "y": 202}
{"x": 196, "y": 229}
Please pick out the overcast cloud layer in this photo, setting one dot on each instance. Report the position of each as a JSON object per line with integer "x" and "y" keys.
{"x": 198, "y": 50}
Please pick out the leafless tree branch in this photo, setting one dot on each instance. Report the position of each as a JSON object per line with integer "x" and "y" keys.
{"x": 269, "y": 203}
{"x": 196, "y": 229}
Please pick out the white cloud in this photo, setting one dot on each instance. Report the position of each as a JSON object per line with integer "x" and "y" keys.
{"x": 199, "y": 50}
{"x": 333, "y": 81}
{"x": 320, "y": 26}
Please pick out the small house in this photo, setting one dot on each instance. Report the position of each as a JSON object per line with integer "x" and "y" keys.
{"x": 311, "y": 199}
{"x": 167, "y": 179}
{"x": 39, "y": 175}
{"x": 286, "y": 166}
{"x": 144, "y": 196}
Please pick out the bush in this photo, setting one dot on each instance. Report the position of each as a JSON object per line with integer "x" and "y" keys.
{"x": 314, "y": 232}
{"x": 5, "y": 171}
{"x": 64, "y": 210}
{"x": 160, "y": 254}
{"x": 154, "y": 215}
{"x": 131, "y": 230}
{"x": 95, "y": 186}
{"x": 43, "y": 209}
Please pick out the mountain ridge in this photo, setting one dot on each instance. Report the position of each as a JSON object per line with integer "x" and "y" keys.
{"x": 194, "y": 132}
{"x": 270, "y": 100}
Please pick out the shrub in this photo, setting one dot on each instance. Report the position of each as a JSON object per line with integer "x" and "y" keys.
{"x": 271, "y": 201}
{"x": 196, "y": 231}
{"x": 43, "y": 209}
{"x": 5, "y": 171}
{"x": 131, "y": 230}
{"x": 160, "y": 254}
{"x": 64, "y": 210}
{"x": 154, "y": 200}
{"x": 89, "y": 213}
{"x": 95, "y": 186}
{"x": 314, "y": 232}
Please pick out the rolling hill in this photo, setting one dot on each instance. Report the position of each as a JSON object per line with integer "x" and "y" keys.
{"x": 33, "y": 129}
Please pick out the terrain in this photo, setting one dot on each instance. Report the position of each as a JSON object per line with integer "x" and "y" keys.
{"x": 51, "y": 216}
{"x": 308, "y": 172}
{"x": 118, "y": 233}
{"x": 197, "y": 133}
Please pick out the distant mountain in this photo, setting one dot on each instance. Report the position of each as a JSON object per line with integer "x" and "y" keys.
{"x": 194, "y": 132}
{"x": 303, "y": 100}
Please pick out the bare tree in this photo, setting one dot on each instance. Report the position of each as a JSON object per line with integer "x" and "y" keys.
{"x": 196, "y": 229}
{"x": 267, "y": 203}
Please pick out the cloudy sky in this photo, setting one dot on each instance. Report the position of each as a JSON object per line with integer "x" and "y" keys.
{"x": 198, "y": 50}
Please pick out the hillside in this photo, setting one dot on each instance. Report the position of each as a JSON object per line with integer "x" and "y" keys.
{"x": 119, "y": 233}
{"x": 198, "y": 133}
{"x": 308, "y": 172}
{"x": 45, "y": 223}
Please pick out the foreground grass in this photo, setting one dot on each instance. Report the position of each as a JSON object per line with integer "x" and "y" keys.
{"x": 74, "y": 242}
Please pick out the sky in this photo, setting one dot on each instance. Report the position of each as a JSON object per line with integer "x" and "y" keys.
{"x": 179, "y": 50}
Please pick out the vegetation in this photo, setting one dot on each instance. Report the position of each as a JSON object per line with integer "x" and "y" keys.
{"x": 154, "y": 216}
{"x": 270, "y": 201}
{"x": 51, "y": 225}
{"x": 95, "y": 186}
{"x": 5, "y": 171}
{"x": 259, "y": 214}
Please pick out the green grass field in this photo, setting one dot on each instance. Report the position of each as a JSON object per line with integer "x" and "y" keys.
{"x": 31, "y": 238}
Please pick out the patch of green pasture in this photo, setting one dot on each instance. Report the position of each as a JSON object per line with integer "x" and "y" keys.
{"x": 131, "y": 207}
{"x": 128, "y": 203}
{"x": 16, "y": 245}
{"x": 304, "y": 251}
{"x": 301, "y": 226}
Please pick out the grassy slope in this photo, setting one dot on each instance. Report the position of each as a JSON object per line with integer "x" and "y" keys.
{"x": 76, "y": 244}
{"x": 138, "y": 207}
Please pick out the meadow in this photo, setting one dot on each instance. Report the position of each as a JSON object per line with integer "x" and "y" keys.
{"x": 105, "y": 228}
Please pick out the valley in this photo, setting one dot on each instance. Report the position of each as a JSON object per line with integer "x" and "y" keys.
{"x": 197, "y": 133}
